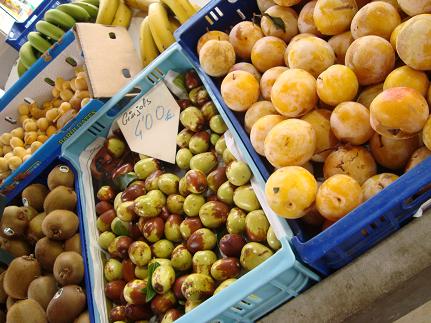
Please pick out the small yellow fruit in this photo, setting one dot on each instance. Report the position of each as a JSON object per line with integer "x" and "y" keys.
{"x": 290, "y": 143}
{"x": 294, "y": 93}
{"x": 240, "y": 90}
{"x": 376, "y": 184}
{"x": 337, "y": 84}
{"x": 408, "y": 77}
{"x": 290, "y": 191}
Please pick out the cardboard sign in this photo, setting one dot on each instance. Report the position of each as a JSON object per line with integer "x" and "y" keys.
{"x": 150, "y": 127}
{"x": 111, "y": 61}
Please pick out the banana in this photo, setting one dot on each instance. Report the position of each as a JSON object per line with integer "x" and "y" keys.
{"x": 196, "y": 7}
{"x": 177, "y": 9}
{"x": 173, "y": 24}
{"x": 38, "y": 42}
{"x": 21, "y": 69}
{"x": 76, "y": 12}
{"x": 59, "y": 18}
{"x": 140, "y": 4}
{"x": 49, "y": 30}
{"x": 122, "y": 16}
{"x": 91, "y": 9}
{"x": 148, "y": 47}
{"x": 27, "y": 56}
{"x": 159, "y": 26}
{"x": 92, "y": 2}
{"x": 107, "y": 10}
{"x": 188, "y": 7}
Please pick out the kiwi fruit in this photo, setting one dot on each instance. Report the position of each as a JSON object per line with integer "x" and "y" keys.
{"x": 17, "y": 248}
{"x": 35, "y": 232}
{"x": 60, "y": 198}
{"x": 46, "y": 251}
{"x": 60, "y": 224}
{"x": 83, "y": 318}
{"x": 73, "y": 244}
{"x": 67, "y": 304}
{"x": 9, "y": 302}
{"x": 69, "y": 268}
{"x": 29, "y": 212}
{"x": 26, "y": 311}
{"x": 61, "y": 175}
{"x": 42, "y": 290}
{"x": 3, "y": 295}
{"x": 14, "y": 222}
{"x": 20, "y": 273}
{"x": 34, "y": 195}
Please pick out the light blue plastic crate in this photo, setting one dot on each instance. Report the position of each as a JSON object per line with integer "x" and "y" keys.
{"x": 278, "y": 279}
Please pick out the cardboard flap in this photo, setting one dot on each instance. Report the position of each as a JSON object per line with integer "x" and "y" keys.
{"x": 110, "y": 58}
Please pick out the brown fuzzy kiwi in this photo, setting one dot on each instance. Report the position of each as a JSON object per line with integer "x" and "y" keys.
{"x": 29, "y": 212}
{"x": 20, "y": 273}
{"x": 34, "y": 195}
{"x": 26, "y": 311}
{"x": 83, "y": 318}
{"x": 14, "y": 222}
{"x": 67, "y": 304}
{"x": 42, "y": 290}
{"x": 60, "y": 198}
{"x": 35, "y": 232}
{"x": 17, "y": 248}
{"x": 69, "y": 268}
{"x": 60, "y": 224}
{"x": 61, "y": 175}
{"x": 46, "y": 251}
{"x": 9, "y": 302}
{"x": 3, "y": 295}
{"x": 73, "y": 244}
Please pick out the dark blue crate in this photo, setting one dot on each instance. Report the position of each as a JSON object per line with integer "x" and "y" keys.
{"x": 19, "y": 31}
{"x": 357, "y": 232}
{"x": 42, "y": 177}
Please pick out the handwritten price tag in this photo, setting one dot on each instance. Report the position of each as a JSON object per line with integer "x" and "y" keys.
{"x": 151, "y": 125}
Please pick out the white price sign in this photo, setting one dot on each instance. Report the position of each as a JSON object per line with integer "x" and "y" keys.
{"x": 150, "y": 127}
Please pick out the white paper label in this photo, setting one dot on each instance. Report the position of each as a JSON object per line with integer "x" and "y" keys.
{"x": 150, "y": 127}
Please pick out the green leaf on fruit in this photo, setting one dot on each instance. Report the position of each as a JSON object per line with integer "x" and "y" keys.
{"x": 278, "y": 22}
{"x": 123, "y": 181}
{"x": 149, "y": 290}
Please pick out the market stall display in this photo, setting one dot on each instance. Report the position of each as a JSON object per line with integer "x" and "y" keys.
{"x": 273, "y": 134}
{"x": 40, "y": 228}
{"x": 288, "y": 79}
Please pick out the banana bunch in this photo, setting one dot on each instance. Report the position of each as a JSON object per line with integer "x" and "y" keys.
{"x": 157, "y": 29}
{"x": 48, "y": 31}
{"x": 114, "y": 12}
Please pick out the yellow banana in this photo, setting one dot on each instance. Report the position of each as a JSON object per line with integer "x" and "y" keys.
{"x": 140, "y": 4}
{"x": 178, "y": 10}
{"x": 188, "y": 7}
{"x": 159, "y": 26}
{"x": 173, "y": 24}
{"x": 122, "y": 16}
{"x": 196, "y": 7}
{"x": 148, "y": 47}
{"x": 107, "y": 10}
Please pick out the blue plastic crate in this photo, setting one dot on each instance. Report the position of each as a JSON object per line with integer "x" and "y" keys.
{"x": 42, "y": 177}
{"x": 18, "y": 34}
{"x": 27, "y": 87}
{"x": 275, "y": 281}
{"x": 357, "y": 232}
